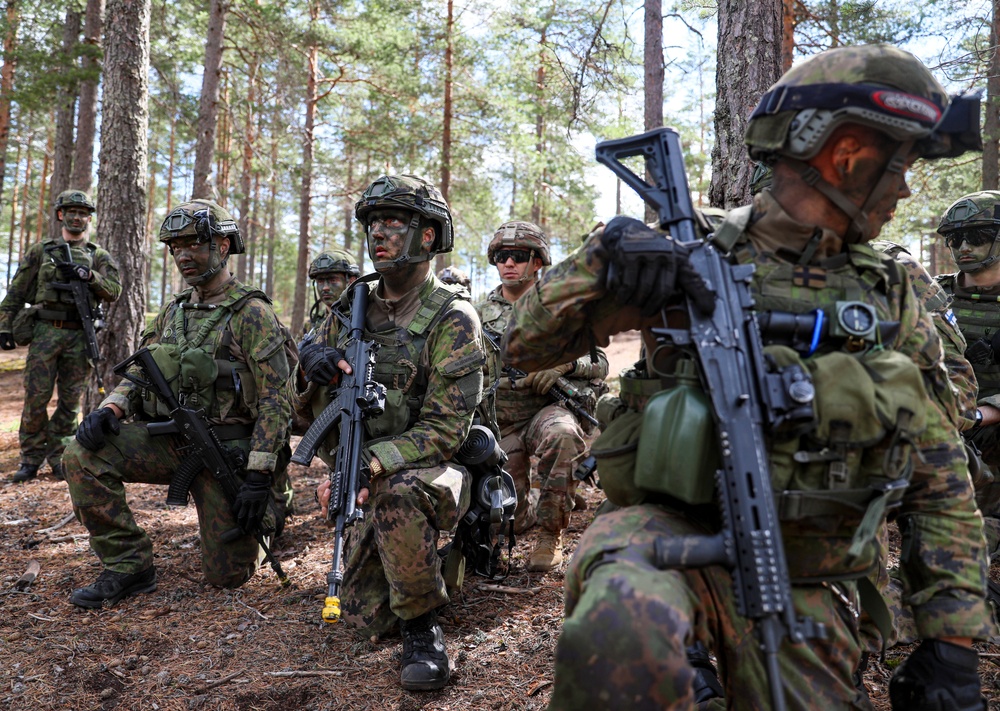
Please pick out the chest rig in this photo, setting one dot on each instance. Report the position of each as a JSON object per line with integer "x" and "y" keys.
{"x": 195, "y": 354}
{"x": 62, "y": 301}
{"x": 979, "y": 319}
{"x": 402, "y": 364}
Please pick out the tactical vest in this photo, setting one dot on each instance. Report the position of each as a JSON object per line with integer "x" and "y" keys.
{"x": 977, "y": 318}
{"x": 62, "y": 301}
{"x": 513, "y": 406}
{"x": 400, "y": 362}
{"x": 194, "y": 353}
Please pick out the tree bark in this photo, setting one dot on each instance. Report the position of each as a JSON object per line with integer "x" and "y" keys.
{"x": 751, "y": 34}
{"x": 991, "y": 126}
{"x": 13, "y": 216}
{"x": 305, "y": 195}
{"x": 652, "y": 61}
{"x": 166, "y": 278}
{"x": 7, "y": 86}
{"x": 121, "y": 186}
{"x": 224, "y": 144}
{"x": 43, "y": 219}
{"x": 537, "y": 215}
{"x": 787, "y": 34}
{"x": 62, "y": 158}
{"x": 86, "y": 121}
{"x": 444, "y": 259}
{"x": 208, "y": 108}
{"x": 246, "y": 170}
{"x": 23, "y": 237}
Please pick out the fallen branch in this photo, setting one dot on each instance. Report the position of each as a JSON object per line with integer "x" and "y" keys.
{"x": 66, "y": 519}
{"x": 318, "y": 672}
{"x": 508, "y": 590}
{"x": 34, "y": 567}
{"x": 218, "y": 682}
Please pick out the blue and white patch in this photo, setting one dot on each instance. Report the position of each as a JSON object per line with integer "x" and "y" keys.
{"x": 949, "y": 316}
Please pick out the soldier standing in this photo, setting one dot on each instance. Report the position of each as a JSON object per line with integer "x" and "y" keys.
{"x": 331, "y": 273}
{"x": 531, "y": 424}
{"x": 431, "y": 361}
{"x": 971, "y": 229}
{"x": 221, "y": 347}
{"x": 57, "y": 355}
{"x": 840, "y": 130}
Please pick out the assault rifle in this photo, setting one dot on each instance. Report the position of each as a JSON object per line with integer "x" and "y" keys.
{"x": 357, "y": 398}
{"x": 91, "y": 320}
{"x": 202, "y": 448}
{"x": 746, "y": 399}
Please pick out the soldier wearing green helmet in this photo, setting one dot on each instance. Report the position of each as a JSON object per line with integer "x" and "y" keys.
{"x": 431, "y": 361}
{"x": 839, "y": 130}
{"x": 57, "y": 357}
{"x": 971, "y": 229}
{"x": 331, "y": 273}
{"x": 220, "y": 345}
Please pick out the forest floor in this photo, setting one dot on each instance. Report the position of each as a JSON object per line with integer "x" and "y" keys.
{"x": 191, "y": 646}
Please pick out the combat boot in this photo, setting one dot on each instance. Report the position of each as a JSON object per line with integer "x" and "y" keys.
{"x": 706, "y": 684}
{"x": 27, "y": 471}
{"x": 424, "y": 665}
{"x": 110, "y": 587}
{"x": 548, "y": 552}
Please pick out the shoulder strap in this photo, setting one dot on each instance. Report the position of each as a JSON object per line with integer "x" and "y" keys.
{"x": 433, "y": 308}
{"x": 729, "y": 232}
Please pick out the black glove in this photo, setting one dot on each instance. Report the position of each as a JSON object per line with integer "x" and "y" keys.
{"x": 7, "y": 341}
{"x": 90, "y": 433}
{"x": 938, "y": 676}
{"x": 319, "y": 363}
{"x": 647, "y": 269}
{"x": 251, "y": 501}
{"x": 72, "y": 270}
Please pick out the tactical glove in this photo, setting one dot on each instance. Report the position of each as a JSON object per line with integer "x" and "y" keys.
{"x": 90, "y": 433}
{"x": 938, "y": 676}
{"x": 319, "y": 363}
{"x": 251, "y": 501}
{"x": 647, "y": 269}
{"x": 543, "y": 380}
{"x": 72, "y": 270}
{"x": 7, "y": 341}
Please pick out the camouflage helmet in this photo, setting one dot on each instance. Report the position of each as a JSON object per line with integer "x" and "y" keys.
{"x": 520, "y": 235}
{"x": 413, "y": 194}
{"x": 333, "y": 261}
{"x": 204, "y": 219}
{"x": 976, "y": 212}
{"x": 454, "y": 275}
{"x": 74, "y": 198}
{"x": 879, "y": 86}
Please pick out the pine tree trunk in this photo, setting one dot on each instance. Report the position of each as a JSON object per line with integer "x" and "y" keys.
{"x": 208, "y": 107}
{"x": 86, "y": 122}
{"x": 224, "y": 141}
{"x": 121, "y": 222}
{"x": 246, "y": 171}
{"x": 444, "y": 259}
{"x": 751, "y": 34}
{"x": 23, "y": 237}
{"x": 539, "y": 187}
{"x": 787, "y": 34}
{"x": 41, "y": 224}
{"x": 272, "y": 230}
{"x": 991, "y": 126}
{"x": 7, "y": 87}
{"x": 62, "y": 159}
{"x": 166, "y": 278}
{"x": 13, "y": 216}
{"x": 653, "y": 70}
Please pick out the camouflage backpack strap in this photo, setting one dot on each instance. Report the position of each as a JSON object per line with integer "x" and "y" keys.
{"x": 732, "y": 228}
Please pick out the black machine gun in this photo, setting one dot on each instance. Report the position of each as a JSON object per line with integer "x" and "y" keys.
{"x": 91, "y": 320}
{"x": 562, "y": 391}
{"x": 202, "y": 448}
{"x": 358, "y": 397}
{"x": 746, "y": 399}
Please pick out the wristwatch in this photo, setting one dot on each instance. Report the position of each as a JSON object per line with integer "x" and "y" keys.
{"x": 376, "y": 468}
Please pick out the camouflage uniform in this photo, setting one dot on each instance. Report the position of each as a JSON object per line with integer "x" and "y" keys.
{"x": 326, "y": 264}
{"x": 57, "y": 354}
{"x": 431, "y": 361}
{"x": 532, "y": 425}
{"x": 234, "y": 336}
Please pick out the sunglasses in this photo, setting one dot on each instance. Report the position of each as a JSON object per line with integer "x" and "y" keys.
{"x": 976, "y": 237}
{"x": 519, "y": 256}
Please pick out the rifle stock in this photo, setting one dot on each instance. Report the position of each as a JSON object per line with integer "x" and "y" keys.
{"x": 358, "y": 398}
{"x": 745, "y": 399}
{"x": 204, "y": 449}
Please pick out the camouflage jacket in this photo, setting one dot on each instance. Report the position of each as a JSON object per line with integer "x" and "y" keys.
{"x": 944, "y": 563}
{"x": 256, "y": 346}
{"x": 978, "y": 314}
{"x": 518, "y": 406}
{"x": 37, "y": 270}
{"x": 938, "y": 303}
{"x": 451, "y": 366}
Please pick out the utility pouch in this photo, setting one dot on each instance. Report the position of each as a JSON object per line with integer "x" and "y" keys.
{"x": 167, "y": 360}
{"x": 615, "y": 451}
{"x": 23, "y": 328}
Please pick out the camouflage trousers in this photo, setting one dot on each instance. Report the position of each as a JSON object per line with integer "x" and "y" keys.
{"x": 56, "y": 359}
{"x": 97, "y": 488}
{"x": 628, "y": 624}
{"x": 555, "y": 437}
{"x": 392, "y": 569}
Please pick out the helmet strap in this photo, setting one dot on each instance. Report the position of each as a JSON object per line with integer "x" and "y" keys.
{"x": 411, "y": 252}
{"x": 991, "y": 259}
{"x": 209, "y": 273}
